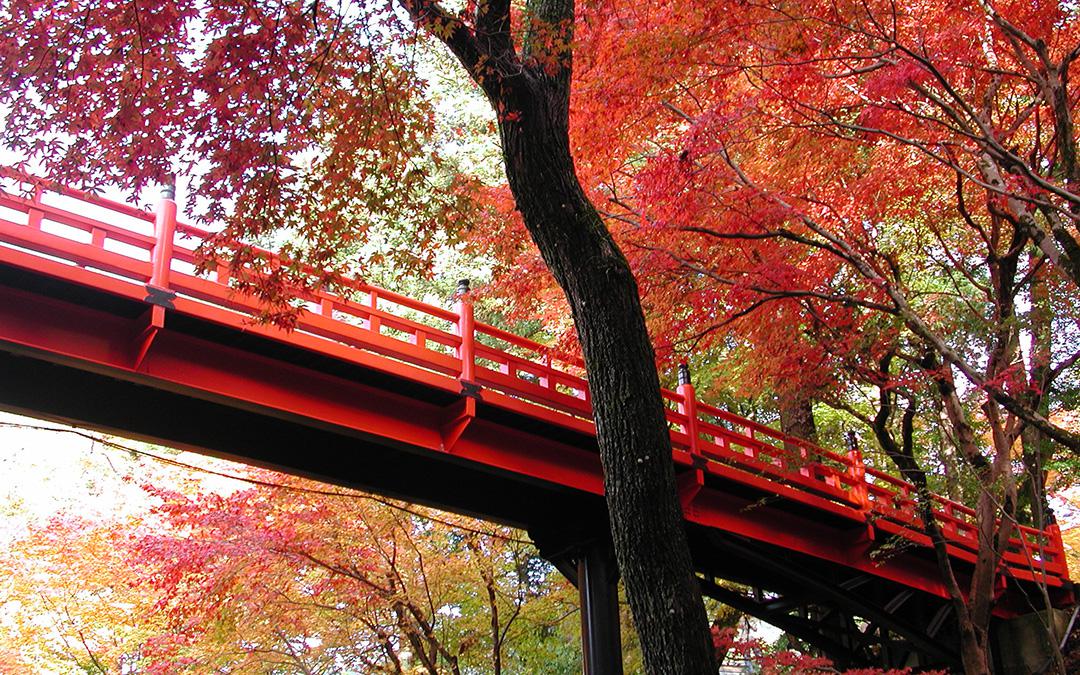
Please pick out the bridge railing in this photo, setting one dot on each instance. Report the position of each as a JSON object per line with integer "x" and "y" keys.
{"x": 122, "y": 244}
{"x": 896, "y": 510}
{"x": 528, "y": 370}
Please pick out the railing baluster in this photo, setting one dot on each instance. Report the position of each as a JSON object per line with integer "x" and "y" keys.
{"x": 546, "y": 380}
{"x": 164, "y": 229}
{"x": 1056, "y": 545}
{"x": 97, "y": 240}
{"x": 804, "y": 461}
{"x": 374, "y": 322}
{"x": 35, "y": 216}
{"x": 948, "y": 525}
{"x": 906, "y": 506}
{"x": 465, "y": 328}
{"x": 688, "y": 407}
{"x": 221, "y": 274}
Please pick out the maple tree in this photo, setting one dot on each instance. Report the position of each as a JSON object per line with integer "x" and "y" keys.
{"x": 882, "y": 194}
{"x": 282, "y": 576}
{"x": 865, "y": 194}
{"x": 859, "y": 198}
{"x": 244, "y": 570}
{"x": 63, "y": 608}
{"x": 312, "y": 117}
{"x": 780, "y": 661}
{"x": 337, "y": 579}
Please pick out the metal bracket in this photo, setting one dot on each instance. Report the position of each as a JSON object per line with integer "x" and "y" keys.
{"x": 458, "y": 418}
{"x": 470, "y": 389}
{"x": 830, "y": 594}
{"x": 146, "y": 329}
{"x": 688, "y": 485}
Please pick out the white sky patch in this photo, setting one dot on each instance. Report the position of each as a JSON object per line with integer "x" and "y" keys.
{"x": 44, "y": 473}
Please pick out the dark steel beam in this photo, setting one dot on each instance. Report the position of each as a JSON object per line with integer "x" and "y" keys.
{"x": 830, "y": 594}
{"x": 801, "y": 629}
{"x": 601, "y": 642}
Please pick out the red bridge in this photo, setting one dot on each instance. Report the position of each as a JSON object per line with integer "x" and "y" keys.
{"x": 104, "y": 323}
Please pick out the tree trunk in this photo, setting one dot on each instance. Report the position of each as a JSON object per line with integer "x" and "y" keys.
{"x": 974, "y": 649}
{"x": 530, "y": 92}
{"x": 1037, "y": 447}
{"x": 797, "y": 416}
{"x": 635, "y": 448}
{"x": 971, "y": 624}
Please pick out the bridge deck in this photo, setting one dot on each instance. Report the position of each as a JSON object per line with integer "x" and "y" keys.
{"x": 373, "y": 388}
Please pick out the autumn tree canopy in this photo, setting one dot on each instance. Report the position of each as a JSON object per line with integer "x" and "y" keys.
{"x": 312, "y": 118}
{"x": 877, "y": 202}
{"x": 278, "y": 575}
{"x": 869, "y": 205}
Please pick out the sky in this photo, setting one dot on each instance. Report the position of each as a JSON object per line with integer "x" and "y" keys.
{"x": 46, "y": 468}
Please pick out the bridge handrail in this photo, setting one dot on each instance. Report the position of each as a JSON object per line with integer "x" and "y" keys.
{"x": 893, "y": 499}
{"x": 42, "y": 184}
{"x": 522, "y": 369}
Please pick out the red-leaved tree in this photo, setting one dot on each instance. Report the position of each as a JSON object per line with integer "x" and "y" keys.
{"x": 311, "y": 117}
{"x": 871, "y": 205}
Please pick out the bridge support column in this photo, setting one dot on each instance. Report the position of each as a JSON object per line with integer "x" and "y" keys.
{"x": 597, "y": 582}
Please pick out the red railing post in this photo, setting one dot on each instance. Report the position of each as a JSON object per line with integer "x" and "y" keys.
{"x": 690, "y": 483}
{"x": 688, "y": 407}
{"x": 466, "y": 330}
{"x": 164, "y": 230}
{"x": 1058, "y": 545}
{"x": 35, "y": 216}
{"x": 860, "y": 493}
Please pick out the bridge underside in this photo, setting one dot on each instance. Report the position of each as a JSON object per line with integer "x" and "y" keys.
{"x": 566, "y": 524}
{"x": 51, "y": 391}
{"x": 852, "y": 617}
{"x": 87, "y": 357}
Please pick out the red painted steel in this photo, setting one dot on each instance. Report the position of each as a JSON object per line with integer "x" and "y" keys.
{"x": 119, "y": 252}
{"x": 164, "y": 232}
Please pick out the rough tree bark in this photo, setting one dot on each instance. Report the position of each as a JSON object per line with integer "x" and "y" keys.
{"x": 530, "y": 91}
{"x": 797, "y": 416}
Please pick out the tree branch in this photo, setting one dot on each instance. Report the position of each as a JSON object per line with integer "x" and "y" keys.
{"x": 493, "y": 29}
{"x": 435, "y": 20}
